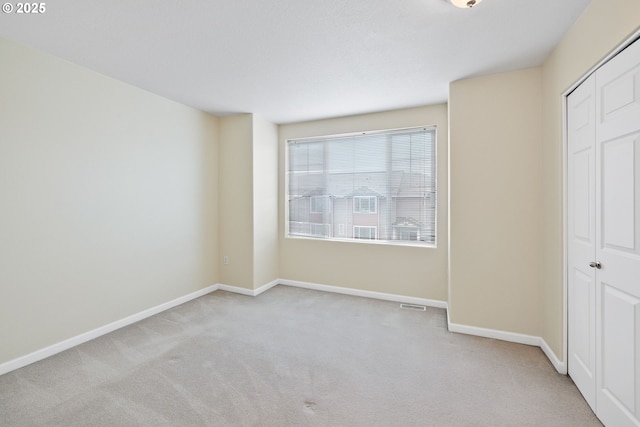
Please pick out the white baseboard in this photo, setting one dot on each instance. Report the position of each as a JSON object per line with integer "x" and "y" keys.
{"x": 235, "y": 289}
{"x": 453, "y": 327}
{"x": 366, "y": 294}
{"x": 495, "y": 334}
{"x": 249, "y": 292}
{"x": 266, "y": 287}
{"x": 43, "y": 353}
{"x": 560, "y": 366}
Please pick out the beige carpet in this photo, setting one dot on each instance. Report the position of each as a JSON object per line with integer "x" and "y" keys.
{"x": 292, "y": 357}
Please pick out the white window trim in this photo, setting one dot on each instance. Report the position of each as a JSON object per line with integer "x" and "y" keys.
{"x": 370, "y": 227}
{"x": 375, "y": 204}
{"x": 350, "y": 240}
{"x": 311, "y": 201}
{"x": 324, "y": 227}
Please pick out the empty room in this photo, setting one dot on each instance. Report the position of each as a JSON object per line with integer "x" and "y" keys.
{"x": 290, "y": 213}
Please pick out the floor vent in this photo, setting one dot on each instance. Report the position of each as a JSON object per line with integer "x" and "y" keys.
{"x": 413, "y": 307}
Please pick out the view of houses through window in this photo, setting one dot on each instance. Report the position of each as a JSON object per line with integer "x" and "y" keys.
{"x": 366, "y": 186}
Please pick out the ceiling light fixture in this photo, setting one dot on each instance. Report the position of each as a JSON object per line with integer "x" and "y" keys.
{"x": 465, "y": 4}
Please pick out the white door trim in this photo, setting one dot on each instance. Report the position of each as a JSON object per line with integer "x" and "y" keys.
{"x": 565, "y": 220}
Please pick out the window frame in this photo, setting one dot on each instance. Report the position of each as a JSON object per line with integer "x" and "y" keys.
{"x": 325, "y": 230}
{"x": 370, "y": 227}
{"x": 322, "y": 199}
{"x": 359, "y": 204}
{"x": 337, "y": 236}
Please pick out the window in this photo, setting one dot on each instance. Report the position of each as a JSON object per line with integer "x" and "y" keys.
{"x": 320, "y": 230}
{"x": 364, "y": 204}
{"x": 318, "y": 204}
{"x": 360, "y": 232}
{"x": 380, "y": 185}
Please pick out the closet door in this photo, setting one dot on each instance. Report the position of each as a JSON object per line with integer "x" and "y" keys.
{"x": 581, "y": 233}
{"x": 617, "y": 278}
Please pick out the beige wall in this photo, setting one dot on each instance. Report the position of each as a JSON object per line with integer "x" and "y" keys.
{"x": 108, "y": 200}
{"x": 494, "y": 148}
{"x": 236, "y": 200}
{"x": 265, "y": 201}
{"x": 115, "y": 200}
{"x": 507, "y": 264}
{"x": 603, "y": 26}
{"x": 411, "y": 271}
{"x": 248, "y": 201}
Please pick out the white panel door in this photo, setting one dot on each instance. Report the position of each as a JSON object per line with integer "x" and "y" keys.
{"x": 618, "y": 239}
{"x": 581, "y": 151}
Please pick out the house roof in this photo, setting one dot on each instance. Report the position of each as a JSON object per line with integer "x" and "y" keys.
{"x": 403, "y": 221}
{"x": 365, "y": 191}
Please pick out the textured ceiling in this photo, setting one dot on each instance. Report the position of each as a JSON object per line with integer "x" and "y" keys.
{"x": 293, "y": 60}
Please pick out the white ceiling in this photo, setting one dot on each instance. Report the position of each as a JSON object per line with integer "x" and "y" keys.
{"x": 293, "y": 60}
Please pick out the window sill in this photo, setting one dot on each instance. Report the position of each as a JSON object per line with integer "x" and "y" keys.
{"x": 368, "y": 242}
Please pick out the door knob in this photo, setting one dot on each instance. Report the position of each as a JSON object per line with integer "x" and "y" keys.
{"x": 595, "y": 265}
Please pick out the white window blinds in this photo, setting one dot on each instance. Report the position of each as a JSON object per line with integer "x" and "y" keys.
{"x": 373, "y": 186}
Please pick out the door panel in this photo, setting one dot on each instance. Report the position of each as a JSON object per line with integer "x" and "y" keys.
{"x": 617, "y": 200}
{"x": 619, "y": 312}
{"x": 583, "y": 314}
{"x": 619, "y": 94}
{"x": 618, "y": 194}
{"x": 581, "y": 239}
{"x": 583, "y": 164}
{"x": 618, "y": 401}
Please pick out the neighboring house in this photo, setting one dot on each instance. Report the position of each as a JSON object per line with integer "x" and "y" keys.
{"x": 373, "y": 211}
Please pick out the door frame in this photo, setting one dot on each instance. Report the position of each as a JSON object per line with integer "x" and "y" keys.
{"x": 565, "y": 220}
